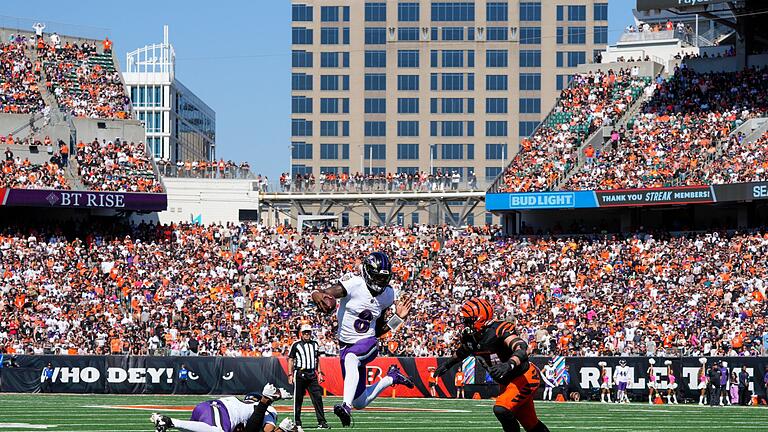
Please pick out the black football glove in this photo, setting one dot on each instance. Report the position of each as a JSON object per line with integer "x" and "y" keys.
{"x": 440, "y": 371}
{"x": 501, "y": 371}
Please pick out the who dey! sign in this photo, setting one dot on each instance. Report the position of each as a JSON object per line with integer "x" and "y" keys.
{"x": 83, "y": 199}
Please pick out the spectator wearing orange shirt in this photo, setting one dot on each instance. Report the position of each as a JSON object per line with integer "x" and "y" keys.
{"x": 458, "y": 381}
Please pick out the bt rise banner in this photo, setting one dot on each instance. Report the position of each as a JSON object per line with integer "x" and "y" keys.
{"x": 83, "y": 199}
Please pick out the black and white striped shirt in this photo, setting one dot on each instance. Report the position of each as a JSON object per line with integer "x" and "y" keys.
{"x": 305, "y": 355}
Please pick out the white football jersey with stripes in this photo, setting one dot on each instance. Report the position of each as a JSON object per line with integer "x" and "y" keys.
{"x": 359, "y": 310}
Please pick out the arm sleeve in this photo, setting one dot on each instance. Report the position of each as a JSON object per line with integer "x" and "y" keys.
{"x": 381, "y": 326}
{"x": 256, "y": 420}
{"x": 292, "y": 352}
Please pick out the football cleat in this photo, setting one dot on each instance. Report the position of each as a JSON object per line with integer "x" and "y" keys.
{"x": 398, "y": 377}
{"x": 344, "y": 413}
{"x": 323, "y": 426}
{"x": 161, "y": 422}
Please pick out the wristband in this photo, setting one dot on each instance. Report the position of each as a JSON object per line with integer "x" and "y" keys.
{"x": 395, "y": 322}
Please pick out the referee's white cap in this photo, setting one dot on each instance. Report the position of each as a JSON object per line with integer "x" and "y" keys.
{"x": 305, "y": 327}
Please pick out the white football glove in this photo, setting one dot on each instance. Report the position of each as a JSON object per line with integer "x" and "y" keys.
{"x": 287, "y": 425}
{"x": 270, "y": 391}
{"x": 283, "y": 393}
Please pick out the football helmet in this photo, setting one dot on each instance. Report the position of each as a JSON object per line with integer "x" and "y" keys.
{"x": 377, "y": 272}
{"x": 476, "y": 313}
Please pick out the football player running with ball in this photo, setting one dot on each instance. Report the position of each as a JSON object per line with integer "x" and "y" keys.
{"x": 362, "y": 316}
{"x": 504, "y": 354}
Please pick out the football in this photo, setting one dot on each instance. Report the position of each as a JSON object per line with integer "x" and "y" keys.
{"x": 327, "y": 300}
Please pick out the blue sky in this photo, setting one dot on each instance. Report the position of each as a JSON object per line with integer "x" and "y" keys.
{"x": 235, "y": 55}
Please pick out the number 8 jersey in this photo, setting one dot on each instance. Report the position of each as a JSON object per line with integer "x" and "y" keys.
{"x": 359, "y": 310}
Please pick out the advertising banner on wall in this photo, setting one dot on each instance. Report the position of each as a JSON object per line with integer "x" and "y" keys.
{"x": 83, "y": 199}
{"x": 237, "y": 376}
{"x": 724, "y": 193}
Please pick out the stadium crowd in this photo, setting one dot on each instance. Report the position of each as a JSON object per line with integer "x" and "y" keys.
{"x": 675, "y": 140}
{"x": 19, "y": 92}
{"x": 591, "y": 100}
{"x": 116, "y": 166}
{"x": 243, "y": 290}
{"x": 23, "y": 174}
{"x": 82, "y": 84}
{"x": 740, "y": 161}
{"x": 440, "y": 180}
{"x": 205, "y": 169}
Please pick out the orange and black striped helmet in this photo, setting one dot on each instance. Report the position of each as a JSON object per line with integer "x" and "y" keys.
{"x": 476, "y": 313}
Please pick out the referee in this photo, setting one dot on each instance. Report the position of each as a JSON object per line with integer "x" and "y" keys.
{"x": 303, "y": 368}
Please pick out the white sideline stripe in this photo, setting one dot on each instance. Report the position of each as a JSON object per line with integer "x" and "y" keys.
{"x": 23, "y": 426}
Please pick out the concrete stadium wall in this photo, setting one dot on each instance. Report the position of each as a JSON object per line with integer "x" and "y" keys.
{"x": 109, "y": 129}
{"x": 205, "y": 201}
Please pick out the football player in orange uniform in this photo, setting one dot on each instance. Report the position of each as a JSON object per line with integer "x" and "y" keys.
{"x": 498, "y": 347}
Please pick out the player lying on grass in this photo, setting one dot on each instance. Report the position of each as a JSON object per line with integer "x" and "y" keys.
{"x": 230, "y": 414}
{"x": 499, "y": 348}
{"x": 362, "y": 318}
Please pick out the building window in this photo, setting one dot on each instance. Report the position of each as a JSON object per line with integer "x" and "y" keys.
{"x": 329, "y": 36}
{"x": 301, "y": 59}
{"x": 497, "y": 34}
{"x": 453, "y": 58}
{"x": 452, "y": 151}
{"x": 530, "y": 58}
{"x": 329, "y": 82}
{"x": 408, "y": 151}
{"x": 301, "y": 105}
{"x": 302, "y": 12}
{"x": 301, "y": 150}
{"x": 329, "y": 14}
{"x": 408, "y": 58}
{"x": 375, "y": 106}
{"x": 375, "y": 128}
{"x": 408, "y": 105}
{"x": 375, "y": 59}
{"x": 495, "y": 128}
{"x": 459, "y": 11}
{"x": 375, "y": 151}
{"x": 329, "y": 60}
{"x": 408, "y": 33}
{"x": 408, "y": 82}
{"x": 375, "y": 35}
{"x": 329, "y": 106}
{"x": 601, "y": 11}
{"x": 490, "y": 174}
{"x": 452, "y": 128}
{"x": 530, "y": 35}
{"x": 496, "y": 106}
{"x": 530, "y": 81}
{"x": 560, "y": 35}
{"x": 329, "y": 151}
{"x": 576, "y": 58}
{"x": 495, "y": 151}
{"x": 530, "y": 105}
{"x": 496, "y": 82}
{"x": 329, "y": 128}
{"x": 301, "y": 127}
{"x": 375, "y": 82}
{"x": 408, "y": 12}
{"x": 577, "y": 35}
{"x": 301, "y": 36}
{"x": 530, "y": 11}
{"x": 577, "y": 13}
{"x": 496, "y": 58}
{"x": 452, "y": 105}
{"x": 497, "y": 11}
{"x": 527, "y": 128}
{"x": 375, "y": 12}
{"x": 601, "y": 35}
{"x": 345, "y": 36}
{"x": 453, "y": 81}
{"x": 453, "y": 33}
{"x": 407, "y": 128}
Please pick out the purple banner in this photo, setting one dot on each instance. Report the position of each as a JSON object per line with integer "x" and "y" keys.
{"x": 83, "y": 199}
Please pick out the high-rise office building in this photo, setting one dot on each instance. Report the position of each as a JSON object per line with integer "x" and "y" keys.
{"x": 420, "y": 85}
{"x": 179, "y": 125}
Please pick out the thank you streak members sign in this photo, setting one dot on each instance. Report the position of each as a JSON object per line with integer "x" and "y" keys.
{"x": 660, "y": 196}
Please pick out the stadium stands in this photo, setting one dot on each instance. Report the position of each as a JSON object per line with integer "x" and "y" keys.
{"x": 116, "y": 166}
{"x": 23, "y": 174}
{"x": 19, "y": 92}
{"x": 242, "y": 289}
{"x": 593, "y": 99}
{"x": 676, "y": 139}
{"x": 739, "y": 162}
{"x": 84, "y": 82}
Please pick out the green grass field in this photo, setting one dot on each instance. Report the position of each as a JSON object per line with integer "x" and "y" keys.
{"x": 74, "y": 413}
